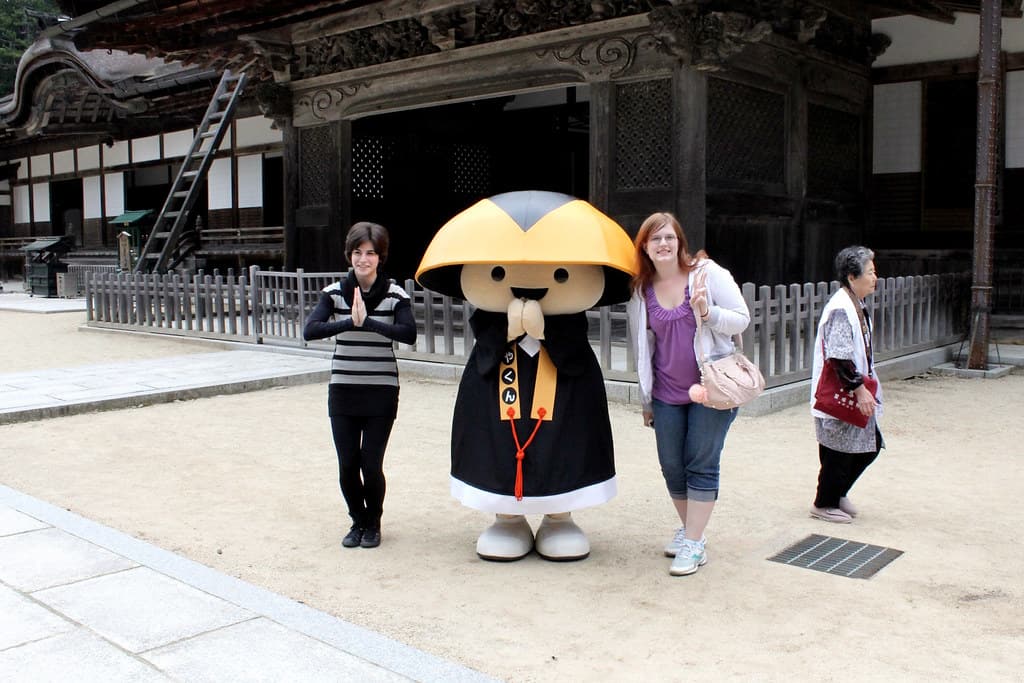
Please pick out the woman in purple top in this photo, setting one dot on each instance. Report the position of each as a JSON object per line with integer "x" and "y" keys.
{"x": 667, "y": 298}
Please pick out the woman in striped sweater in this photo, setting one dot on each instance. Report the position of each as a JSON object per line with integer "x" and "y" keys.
{"x": 365, "y": 313}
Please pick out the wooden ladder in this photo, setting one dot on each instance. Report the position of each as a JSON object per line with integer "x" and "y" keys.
{"x": 167, "y": 245}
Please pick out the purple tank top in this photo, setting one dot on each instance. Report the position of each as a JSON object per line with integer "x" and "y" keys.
{"x": 674, "y": 363}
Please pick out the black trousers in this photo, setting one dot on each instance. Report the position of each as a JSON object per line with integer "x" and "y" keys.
{"x": 360, "y": 443}
{"x": 839, "y": 471}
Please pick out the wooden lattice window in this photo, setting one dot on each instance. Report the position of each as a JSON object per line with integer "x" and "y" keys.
{"x": 643, "y": 135}
{"x": 470, "y": 169}
{"x": 316, "y": 149}
{"x": 369, "y": 161}
{"x": 746, "y": 137}
{"x": 833, "y": 152}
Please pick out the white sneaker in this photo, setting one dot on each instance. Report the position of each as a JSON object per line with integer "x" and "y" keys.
{"x": 672, "y": 549}
{"x": 689, "y": 559}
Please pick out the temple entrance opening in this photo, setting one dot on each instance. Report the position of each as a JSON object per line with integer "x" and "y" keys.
{"x": 414, "y": 170}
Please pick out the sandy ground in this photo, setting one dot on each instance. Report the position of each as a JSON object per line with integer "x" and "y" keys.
{"x": 247, "y": 484}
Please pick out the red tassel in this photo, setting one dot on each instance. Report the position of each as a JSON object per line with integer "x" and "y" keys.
{"x": 521, "y": 450}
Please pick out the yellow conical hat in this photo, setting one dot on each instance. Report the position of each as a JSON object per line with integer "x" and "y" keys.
{"x": 529, "y": 227}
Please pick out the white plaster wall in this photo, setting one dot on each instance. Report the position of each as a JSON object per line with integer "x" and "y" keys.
{"x": 22, "y": 169}
{"x": 146, "y": 149}
{"x": 225, "y": 144}
{"x": 176, "y": 144}
{"x": 114, "y": 183}
{"x": 897, "y": 128}
{"x": 250, "y": 180}
{"x": 116, "y": 155}
{"x": 92, "y": 197}
{"x": 41, "y": 201}
{"x": 21, "y": 204}
{"x": 916, "y": 40}
{"x": 41, "y": 166}
{"x": 1014, "y": 119}
{"x": 64, "y": 162}
{"x": 88, "y": 158}
{"x": 218, "y": 184}
{"x": 256, "y": 130}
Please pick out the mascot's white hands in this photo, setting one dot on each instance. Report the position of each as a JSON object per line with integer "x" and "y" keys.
{"x": 533, "y": 319}
{"x": 515, "y": 319}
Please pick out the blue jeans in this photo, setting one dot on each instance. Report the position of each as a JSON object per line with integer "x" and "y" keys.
{"x": 690, "y": 438}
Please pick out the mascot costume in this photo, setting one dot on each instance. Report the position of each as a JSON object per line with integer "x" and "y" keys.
{"x": 531, "y": 433}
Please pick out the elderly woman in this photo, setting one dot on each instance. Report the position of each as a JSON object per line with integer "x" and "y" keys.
{"x": 844, "y": 337}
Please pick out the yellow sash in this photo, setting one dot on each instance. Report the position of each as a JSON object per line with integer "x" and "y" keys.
{"x": 543, "y": 390}
{"x": 508, "y": 401}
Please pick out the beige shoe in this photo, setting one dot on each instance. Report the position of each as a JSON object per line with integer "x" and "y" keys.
{"x": 831, "y": 515}
{"x": 846, "y": 506}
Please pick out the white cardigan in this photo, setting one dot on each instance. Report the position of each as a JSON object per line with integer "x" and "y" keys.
{"x": 843, "y": 300}
{"x": 727, "y": 315}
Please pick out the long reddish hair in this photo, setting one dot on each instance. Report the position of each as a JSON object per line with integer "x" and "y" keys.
{"x": 644, "y": 266}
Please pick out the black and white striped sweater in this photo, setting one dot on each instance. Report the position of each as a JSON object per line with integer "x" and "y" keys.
{"x": 364, "y": 372}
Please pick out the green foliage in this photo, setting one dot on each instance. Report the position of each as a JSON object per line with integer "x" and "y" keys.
{"x": 17, "y": 31}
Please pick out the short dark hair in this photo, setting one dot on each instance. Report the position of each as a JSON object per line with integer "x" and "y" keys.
{"x": 851, "y": 261}
{"x": 364, "y": 231}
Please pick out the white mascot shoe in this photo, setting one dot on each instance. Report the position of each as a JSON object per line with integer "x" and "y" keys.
{"x": 560, "y": 540}
{"x": 509, "y": 538}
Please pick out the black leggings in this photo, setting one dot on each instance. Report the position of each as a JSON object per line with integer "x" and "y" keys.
{"x": 839, "y": 471}
{"x": 360, "y": 442}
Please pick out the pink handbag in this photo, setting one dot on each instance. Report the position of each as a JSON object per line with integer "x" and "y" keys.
{"x": 730, "y": 381}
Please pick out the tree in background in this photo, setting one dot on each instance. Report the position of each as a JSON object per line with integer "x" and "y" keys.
{"x": 19, "y": 25}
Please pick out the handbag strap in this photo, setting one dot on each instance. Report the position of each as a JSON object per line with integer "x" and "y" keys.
{"x": 865, "y": 328}
{"x": 701, "y": 281}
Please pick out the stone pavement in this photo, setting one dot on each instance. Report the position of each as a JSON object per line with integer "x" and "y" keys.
{"x": 84, "y": 602}
{"x": 40, "y": 394}
{"x": 81, "y": 601}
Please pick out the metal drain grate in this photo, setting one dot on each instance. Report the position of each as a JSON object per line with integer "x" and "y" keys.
{"x": 837, "y": 556}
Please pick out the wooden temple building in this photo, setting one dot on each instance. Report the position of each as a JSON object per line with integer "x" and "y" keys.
{"x": 777, "y": 131}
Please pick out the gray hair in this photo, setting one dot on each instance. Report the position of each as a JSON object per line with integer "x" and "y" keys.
{"x": 851, "y": 261}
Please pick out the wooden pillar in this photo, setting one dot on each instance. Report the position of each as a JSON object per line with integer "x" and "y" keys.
{"x": 690, "y": 114}
{"x": 601, "y": 135}
{"x": 989, "y": 76}
{"x": 342, "y": 198}
{"x": 797, "y": 266}
{"x": 290, "y": 161}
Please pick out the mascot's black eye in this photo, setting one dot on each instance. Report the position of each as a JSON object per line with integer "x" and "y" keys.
{"x": 497, "y": 273}
{"x": 561, "y": 275}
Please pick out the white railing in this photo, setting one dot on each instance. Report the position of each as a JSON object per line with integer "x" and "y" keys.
{"x": 910, "y": 314}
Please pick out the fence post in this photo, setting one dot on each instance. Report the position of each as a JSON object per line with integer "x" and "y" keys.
{"x": 747, "y": 337}
{"x": 300, "y": 317}
{"x": 604, "y": 327}
{"x": 88, "y": 297}
{"x": 254, "y": 303}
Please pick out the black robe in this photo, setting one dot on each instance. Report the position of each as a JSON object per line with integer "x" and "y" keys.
{"x": 570, "y": 463}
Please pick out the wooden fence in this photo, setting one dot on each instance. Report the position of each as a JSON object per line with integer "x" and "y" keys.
{"x": 910, "y": 314}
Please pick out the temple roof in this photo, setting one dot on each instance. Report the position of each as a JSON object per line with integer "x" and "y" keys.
{"x": 61, "y": 91}
{"x": 227, "y": 33}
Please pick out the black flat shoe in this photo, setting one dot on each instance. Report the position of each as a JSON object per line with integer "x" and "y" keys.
{"x": 371, "y": 538}
{"x": 354, "y": 537}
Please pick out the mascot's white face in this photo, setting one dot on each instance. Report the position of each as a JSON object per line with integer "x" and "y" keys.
{"x": 559, "y": 289}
